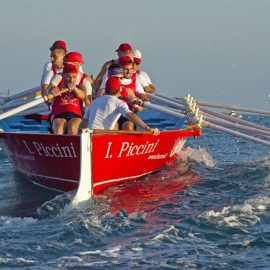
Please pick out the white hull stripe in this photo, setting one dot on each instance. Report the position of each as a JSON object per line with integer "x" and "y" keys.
{"x": 39, "y": 185}
{"x": 121, "y": 179}
{"x": 47, "y": 177}
{"x": 73, "y": 181}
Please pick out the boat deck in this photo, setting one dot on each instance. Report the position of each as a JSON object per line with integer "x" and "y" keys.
{"x": 153, "y": 119}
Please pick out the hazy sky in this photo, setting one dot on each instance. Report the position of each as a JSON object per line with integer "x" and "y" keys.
{"x": 218, "y": 50}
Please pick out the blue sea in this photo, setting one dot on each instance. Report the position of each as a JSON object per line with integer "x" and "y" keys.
{"x": 208, "y": 210}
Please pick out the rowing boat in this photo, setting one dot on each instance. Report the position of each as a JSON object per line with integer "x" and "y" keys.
{"x": 96, "y": 160}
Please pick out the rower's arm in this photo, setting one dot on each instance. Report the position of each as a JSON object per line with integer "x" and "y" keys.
{"x": 134, "y": 118}
{"x": 80, "y": 91}
{"x": 138, "y": 121}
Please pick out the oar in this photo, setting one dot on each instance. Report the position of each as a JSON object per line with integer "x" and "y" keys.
{"x": 230, "y": 107}
{"x": 13, "y": 104}
{"x": 225, "y": 123}
{"x": 29, "y": 105}
{"x": 21, "y": 94}
{"x": 258, "y": 130}
{"x": 201, "y": 122}
{"x": 136, "y": 132}
{"x": 175, "y": 102}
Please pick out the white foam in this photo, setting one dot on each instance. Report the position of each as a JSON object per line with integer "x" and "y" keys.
{"x": 21, "y": 260}
{"x": 169, "y": 234}
{"x": 18, "y": 260}
{"x": 111, "y": 253}
{"x": 199, "y": 155}
{"x": 244, "y": 215}
{"x": 90, "y": 252}
{"x": 137, "y": 249}
{"x": 16, "y": 222}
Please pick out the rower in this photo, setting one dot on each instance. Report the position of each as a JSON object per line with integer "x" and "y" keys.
{"x": 67, "y": 108}
{"x": 58, "y": 52}
{"x": 106, "y": 110}
{"x": 142, "y": 76}
{"x": 76, "y": 59}
{"x": 129, "y": 89}
{"x": 123, "y": 49}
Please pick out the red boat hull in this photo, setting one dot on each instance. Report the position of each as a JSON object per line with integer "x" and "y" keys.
{"x": 56, "y": 162}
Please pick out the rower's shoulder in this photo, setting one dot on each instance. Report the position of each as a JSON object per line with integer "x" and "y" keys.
{"x": 47, "y": 66}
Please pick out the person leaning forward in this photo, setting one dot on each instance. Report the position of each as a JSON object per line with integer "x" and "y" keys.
{"x": 67, "y": 108}
{"x": 106, "y": 110}
{"x": 75, "y": 58}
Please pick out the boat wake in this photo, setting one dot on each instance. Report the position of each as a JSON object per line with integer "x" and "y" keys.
{"x": 139, "y": 197}
{"x": 253, "y": 183}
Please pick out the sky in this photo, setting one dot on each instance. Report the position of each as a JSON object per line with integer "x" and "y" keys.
{"x": 216, "y": 50}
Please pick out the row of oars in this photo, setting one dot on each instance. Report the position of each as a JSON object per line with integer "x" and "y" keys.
{"x": 184, "y": 108}
{"x": 9, "y": 108}
{"x": 19, "y": 104}
{"x": 204, "y": 118}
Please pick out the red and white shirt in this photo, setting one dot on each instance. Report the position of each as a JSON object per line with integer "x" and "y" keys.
{"x": 49, "y": 71}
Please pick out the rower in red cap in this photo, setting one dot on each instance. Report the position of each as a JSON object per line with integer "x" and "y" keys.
{"x": 106, "y": 110}
{"x": 58, "y": 52}
{"x": 76, "y": 59}
{"x": 51, "y": 69}
{"x": 67, "y": 108}
{"x": 123, "y": 49}
{"x": 142, "y": 76}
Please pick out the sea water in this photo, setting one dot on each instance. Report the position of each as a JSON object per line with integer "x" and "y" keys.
{"x": 208, "y": 210}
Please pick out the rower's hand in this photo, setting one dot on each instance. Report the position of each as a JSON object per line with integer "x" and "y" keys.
{"x": 55, "y": 92}
{"x": 71, "y": 86}
{"x": 142, "y": 97}
{"x": 137, "y": 108}
{"x": 155, "y": 131}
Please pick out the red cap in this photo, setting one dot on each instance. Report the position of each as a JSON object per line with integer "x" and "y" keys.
{"x": 69, "y": 68}
{"x": 137, "y": 60}
{"x": 112, "y": 85}
{"x": 124, "y": 47}
{"x": 59, "y": 44}
{"x": 125, "y": 60}
{"x": 74, "y": 57}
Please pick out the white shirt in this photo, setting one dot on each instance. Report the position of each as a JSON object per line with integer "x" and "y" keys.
{"x": 48, "y": 73}
{"x": 143, "y": 78}
{"x": 139, "y": 86}
{"x": 56, "y": 79}
{"x": 105, "y": 111}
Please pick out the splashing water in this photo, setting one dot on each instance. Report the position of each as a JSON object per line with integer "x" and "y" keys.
{"x": 199, "y": 155}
